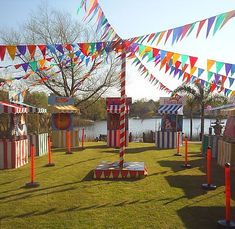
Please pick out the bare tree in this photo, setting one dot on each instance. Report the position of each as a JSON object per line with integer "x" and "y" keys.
{"x": 64, "y": 73}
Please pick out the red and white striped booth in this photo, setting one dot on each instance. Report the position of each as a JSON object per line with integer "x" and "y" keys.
{"x": 113, "y": 106}
{"x": 13, "y": 152}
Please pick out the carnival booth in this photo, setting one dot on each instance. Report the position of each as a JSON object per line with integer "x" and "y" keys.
{"x": 113, "y": 106}
{"x": 226, "y": 145}
{"x": 171, "y": 111}
{"x": 63, "y": 112}
{"x": 37, "y": 120}
{"x": 13, "y": 136}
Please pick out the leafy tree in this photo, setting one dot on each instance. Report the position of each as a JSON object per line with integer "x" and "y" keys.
{"x": 3, "y": 95}
{"x": 65, "y": 74}
{"x": 37, "y": 99}
{"x": 201, "y": 96}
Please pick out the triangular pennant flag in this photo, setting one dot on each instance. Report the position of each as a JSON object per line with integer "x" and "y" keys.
{"x": 162, "y": 54}
{"x": 177, "y": 64}
{"x": 192, "y": 70}
{"x": 172, "y": 70}
{"x": 228, "y": 16}
{"x": 42, "y": 63}
{"x": 21, "y": 49}
{"x": 191, "y": 28}
{"x": 25, "y": 66}
{"x": 192, "y": 60}
{"x": 219, "y": 65}
{"x": 213, "y": 87}
{"x": 184, "y": 59}
{"x": 33, "y": 65}
{"x": 210, "y": 63}
{"x": 155, "y": 52}
{"x": 176, "y": 72}
{"x": 180, "y": 73}
{"x": 155, "y": 37}
{"x": 160, "y": 37}
{"x": 52, "y": 49}
{"x": 168, "y": 35}
{"x": 232, "y": 69}
{"x": 11, "y": 49}
{"x": 32, "y": 50}
{"x": 201, "y": 23}
{"x": 184, "y": 67}
{"x": 223, "y": 80}
{"x": 60, "y": 48}
{"x": 219, "y": 20}
{"x": 202, "y": 82}
{"x": 176, "y": 34}
{"x": 2, "y": 52}
{"x": 217, "y": 78}
{"x": 228, "y": 68}
{"x": 185, "y": 30}
{"x": 231, "y": 81}
{"x": 150, "y": 37}
{"x": 69, "y": 47}
{"x": 42, "y": 49}
{"x": 209, "y": 75}
{"x": 209, "y": 25}
{"x": 175, "y": 57}
{"x": 200, "y": 71}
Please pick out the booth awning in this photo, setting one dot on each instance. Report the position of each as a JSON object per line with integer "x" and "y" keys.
{"x": 171, "y": 109}
{"x": 230, "y": 111}
{"x": 9, "y": 108}
{"x": 64, "y": 109}
{"x": 116, "y": 109}
{"x": 31, "y": 109}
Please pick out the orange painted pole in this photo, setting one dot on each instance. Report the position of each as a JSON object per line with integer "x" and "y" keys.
{"x": 209, "y": 185}
{"x": 178, "y": 144}
{"x": 32, "y": 184}
{"x": 83, "y": 137}
{"x": 68, "y": 142}
{"x": 49, "y": 153}
{"x": 186, "y": 164}
{"x": 227, "y": 223}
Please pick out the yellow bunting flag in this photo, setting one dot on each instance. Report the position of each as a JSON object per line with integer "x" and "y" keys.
{"x": 11, "y": 51}
{"x": 161, "y": 36}
{"x": 176, "y": 56}
{"x": 210, "y": 63}
{"x": 192, "y": 70}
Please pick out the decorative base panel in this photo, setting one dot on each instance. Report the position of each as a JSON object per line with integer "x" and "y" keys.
{"x": 130, "y": 170}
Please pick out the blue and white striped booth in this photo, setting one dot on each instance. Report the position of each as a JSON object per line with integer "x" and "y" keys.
{"x": 167, "y": 137}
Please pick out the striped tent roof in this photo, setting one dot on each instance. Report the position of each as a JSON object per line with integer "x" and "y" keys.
{"x": 116, "y": 109}
{"x": 31, "y": 109}
{"x": 10, "y": 108}
{"x": 64, "y": 109}
{"x": 176, "y": 109}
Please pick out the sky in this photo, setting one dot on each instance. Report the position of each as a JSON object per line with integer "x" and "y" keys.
{"x": 132, "y": 18}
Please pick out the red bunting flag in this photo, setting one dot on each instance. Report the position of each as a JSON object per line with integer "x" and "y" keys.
{"x": 42, "y": 49}
{"x": 192, "y": 60}
{"x": 2, "y": 52}
{"x": 32, "y": 50}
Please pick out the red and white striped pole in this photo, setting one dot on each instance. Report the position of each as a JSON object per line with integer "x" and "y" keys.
{"x": 123, "y": 104}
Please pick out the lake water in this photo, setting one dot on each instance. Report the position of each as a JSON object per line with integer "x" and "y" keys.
{"x": 138, "y": 126}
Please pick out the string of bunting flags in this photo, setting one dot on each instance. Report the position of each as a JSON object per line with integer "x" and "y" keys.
{"x": 181, "y": 32}
{"x": 171, "y": 61}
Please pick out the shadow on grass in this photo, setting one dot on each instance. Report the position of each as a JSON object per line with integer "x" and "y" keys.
{"x": 191, "y": 185}
{"x": 176, "y": 165}
{"x": 201, "y": 217}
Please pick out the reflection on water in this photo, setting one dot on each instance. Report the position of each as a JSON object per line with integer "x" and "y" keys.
{"x": 138, "y": 126}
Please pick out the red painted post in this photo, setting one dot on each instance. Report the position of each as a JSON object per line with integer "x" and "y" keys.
{"x": 186, "y": 165}
{"x": 227, "y": 191}
{"x": 227, "y": 223}
{"x": 49, "y": 153}
{"x": 32, "y": 184}
{"x": 68, "y": 142}
{"x": 178, "y": 144}
{"x": 208, "y": 165}
{"x": 209, "y": 185}
{"x": 83, "y": 137}
{"x": 32, "y": 149}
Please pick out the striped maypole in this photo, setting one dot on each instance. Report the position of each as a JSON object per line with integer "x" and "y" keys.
{"x": 122, "y": 126}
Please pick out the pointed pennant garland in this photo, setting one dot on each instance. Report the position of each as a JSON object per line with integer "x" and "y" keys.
{"x": 219, "y": 65}
{"x": 32, "y": 50}
{"x": 210, "y": 63}
{"x": 192, "y": 60}
{"x": 210, "y": 23}
{"x": 42, "y": 49}
{"x": 219, "y": 20}
{"x": 228, "y": 68}
{"x": 2, "y": 52}
{"x": 209, "y": 75}
{"x": 231, "y": 81}
{"x": 22, "y": 49}
{"x": 201, "y": 23}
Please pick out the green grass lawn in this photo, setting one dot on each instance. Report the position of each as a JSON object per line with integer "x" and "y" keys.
{"x": 68, "y": 197}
